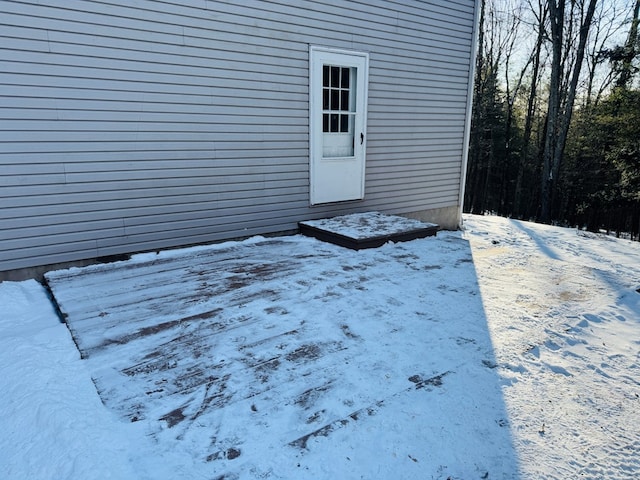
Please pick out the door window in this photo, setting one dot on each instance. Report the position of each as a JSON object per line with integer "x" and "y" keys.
{"x": 338, "y": 110}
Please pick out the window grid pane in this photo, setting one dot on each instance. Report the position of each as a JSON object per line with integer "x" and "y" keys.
{"x": 336, "y": 97}
{"x": 335, "y": 77}
{"x": 344, "y": 123}
{"x": 344, "y": 79}
{"x": 344, "y": 100}
{"x": 335, "y": 100}
{"x": 334, "y": 122}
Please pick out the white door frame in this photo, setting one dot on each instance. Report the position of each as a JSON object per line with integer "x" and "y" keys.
{"x": 333, "y": 178}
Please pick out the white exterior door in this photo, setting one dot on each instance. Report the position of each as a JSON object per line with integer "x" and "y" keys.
{"x": 337, "y": 122}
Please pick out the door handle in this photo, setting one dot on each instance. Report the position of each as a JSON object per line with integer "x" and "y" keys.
{"x": 361, "y": 138}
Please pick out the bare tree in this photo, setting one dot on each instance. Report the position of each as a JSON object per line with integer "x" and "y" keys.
{"x": 496, "y": 44}
{"x": 604, "y": 32}
{"x": 536, "y": 59}
{"x": 540, "y": 14}
{"x": 563, "y": 84}
{"x": 630, "y": 50}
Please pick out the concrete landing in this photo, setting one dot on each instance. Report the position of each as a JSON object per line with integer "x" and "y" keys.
{"x": 367, "y": 230}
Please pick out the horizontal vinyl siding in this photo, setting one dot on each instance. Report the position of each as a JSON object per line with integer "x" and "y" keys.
{"x": 136, "y": 126}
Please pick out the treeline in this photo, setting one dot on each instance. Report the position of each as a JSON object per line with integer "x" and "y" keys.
{"x": 555, "y": 134}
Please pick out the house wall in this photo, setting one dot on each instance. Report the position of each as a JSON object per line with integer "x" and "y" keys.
{"x": 129, "y": 126}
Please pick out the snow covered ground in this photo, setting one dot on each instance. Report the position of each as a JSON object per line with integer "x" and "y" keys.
{"x": 542, "y": 328}
{"x": 564, "y": 316}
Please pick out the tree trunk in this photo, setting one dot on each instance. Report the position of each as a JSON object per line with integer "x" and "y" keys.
{"x": 556, "y": 14}
{"x": 531, "y": 101}
{"x": 559, "y": 118}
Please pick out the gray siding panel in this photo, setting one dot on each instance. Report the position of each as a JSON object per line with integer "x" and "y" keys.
{"x": 137, "y": 126}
